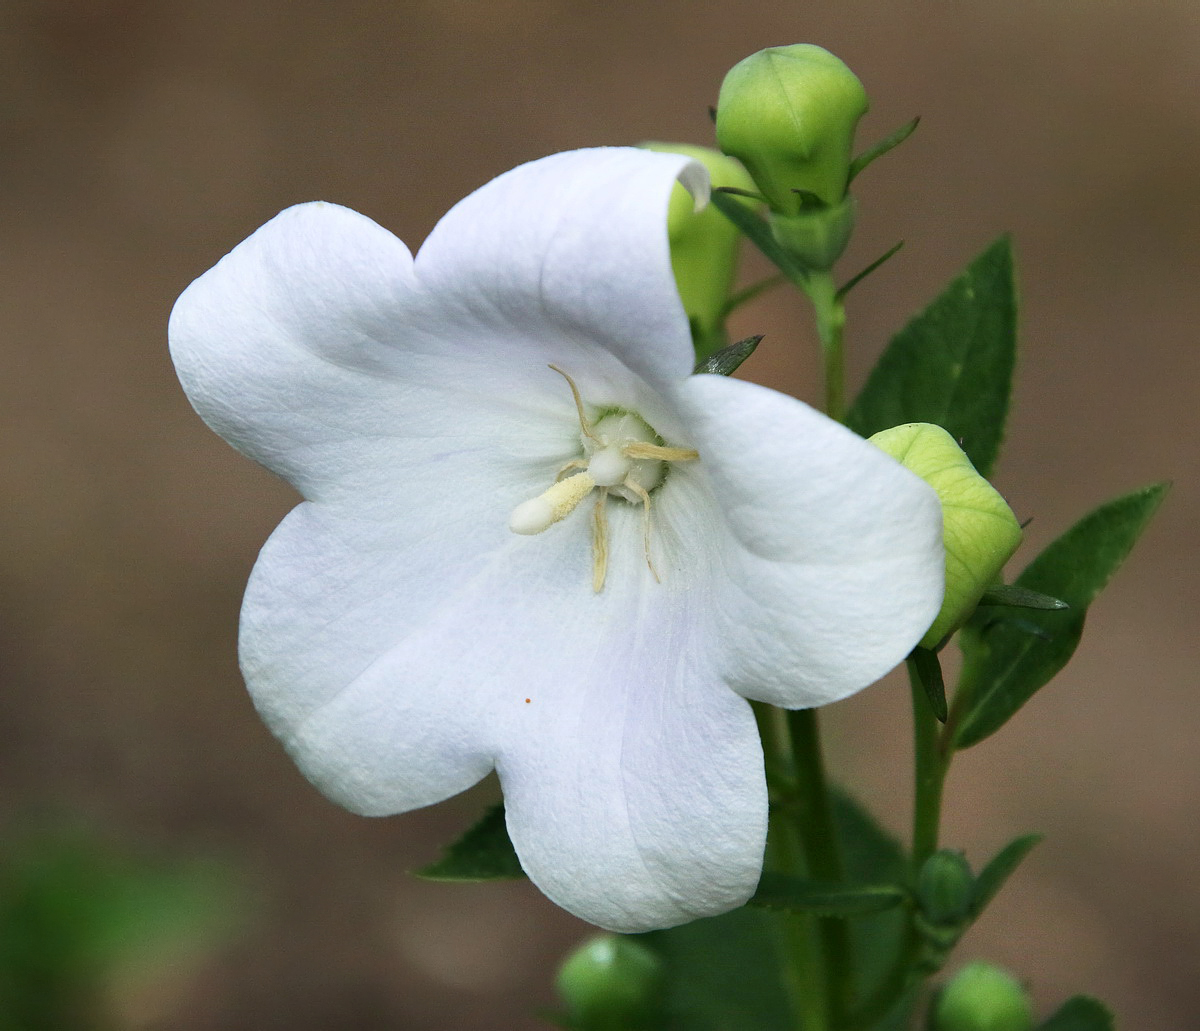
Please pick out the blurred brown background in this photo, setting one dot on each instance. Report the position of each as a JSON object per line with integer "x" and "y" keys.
{"x": 141, "y": 140}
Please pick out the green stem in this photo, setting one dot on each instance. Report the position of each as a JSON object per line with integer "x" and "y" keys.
{"x": 800, "y": 940}
{"x": 822, "y": 852}
{"x": 831, "y": 324}
{"x": 930, "y": 763}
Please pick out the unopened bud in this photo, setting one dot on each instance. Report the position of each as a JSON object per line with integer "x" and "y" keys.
{"x": 981, "y": 997}
{"x": 979, "y": 531}
{"x": 704, "y": 245}
{"x": 612, "y": 983}
{"x": 789, "y": 115}
{"x": 945, "y": 888}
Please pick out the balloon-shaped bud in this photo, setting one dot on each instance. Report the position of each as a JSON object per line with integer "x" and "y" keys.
{"x": 982, "y": 997}
{"x": 704, "y": 246}
{"x": 946, "y": 888}
{"x": 978, "y": 528}
{"x": 612, "y": 983}
{"x": 789, "y": 115}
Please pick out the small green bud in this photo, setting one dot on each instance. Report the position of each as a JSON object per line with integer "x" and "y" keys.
{"x": 981, "y": 997}
{"x": 612, "y": 983}
{"x": 789, "y": 114}
{"x": 946, "y": 888}
{"x": 978, "y": 528}
{"x": 704, "y": 246}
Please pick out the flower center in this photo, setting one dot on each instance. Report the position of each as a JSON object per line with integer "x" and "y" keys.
{"x": 622, "y": 457}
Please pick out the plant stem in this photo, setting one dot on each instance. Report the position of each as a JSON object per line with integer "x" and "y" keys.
{"x": 930, "y": 763}
{"x": 822, "y": 852}
{"x": 831, "y": 324}
{"x": 800, "y": 939}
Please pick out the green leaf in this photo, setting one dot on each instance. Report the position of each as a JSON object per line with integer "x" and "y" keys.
{"x": 882, "y": 147}
{"x": 781, "y": 891}
{"x": 929, "y": 672}
{"x": 952, "y": 365}
{"x": 1021, "y": 598}
{"x": 722, "y": 973}
{"x": 727, "y": 360}
{"x": 872, "y": 855}
{"x": 483, "y": 853}
{"x": 998, "y": 870}
{"x": 1007, "y": 660}
{"x": 1081, "y": 1013}
{"x": 755, "y": 228}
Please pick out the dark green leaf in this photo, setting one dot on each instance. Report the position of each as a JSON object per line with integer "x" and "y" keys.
{"x": 882, "y": 147}
{"x": 1020, "y": 597}
{"x": 998, "y": 870}
{"x": 929, "y": 672}
{"x": 756, "y": 230}
{"x": 1081, "y": 1013}
{"x": 727, "y": 360}
{"x": 952, "y": 364}
{"x": 871, "y": 855}
{"x": 722, "y": 974}
{"x": 854, "y": 280}
{"x": 483, "y": 853}
{"x": 780, "y": 891}
{"x": 1008, "y": 660}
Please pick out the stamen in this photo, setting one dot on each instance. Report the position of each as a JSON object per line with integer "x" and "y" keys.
{"x": 557, "y": 503}
{"x": 644, "y": 495}
{"x": 583, "y": 419}
{"x": 639, "y": 449}
{"x": 600, "y": 542}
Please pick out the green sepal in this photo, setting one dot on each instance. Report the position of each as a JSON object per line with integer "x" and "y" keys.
{"x": 854, "y": 280}
{"x": 952, "y": 364}
{"x": 1080, "y": 1013}
{"x": 998, "y": 870}
{"x": 928, "y": 669}
{"x": 483, "y": 853}
{"x": 794, "y": 894}
{"x": 1012, "y": 596}
{"x": 756, "y": 229}
{"x": 890, "y": 142}
{"x": 1007, "y": 660}
{"x": 727, "y": 360}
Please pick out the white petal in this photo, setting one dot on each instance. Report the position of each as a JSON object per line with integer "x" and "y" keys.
{"x": 397, "y": 669}
{"x": 569, "y": 248}
{"x": 833, "y": 566}
{"x": 283, "y": 347}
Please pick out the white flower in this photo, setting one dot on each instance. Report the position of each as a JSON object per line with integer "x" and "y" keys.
{"x": 402, "y": 641}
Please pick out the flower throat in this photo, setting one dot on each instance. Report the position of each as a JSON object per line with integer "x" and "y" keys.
{"x": 622, "y": 457}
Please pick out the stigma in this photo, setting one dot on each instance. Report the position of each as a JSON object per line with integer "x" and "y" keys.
{"x": 621, "y": 457}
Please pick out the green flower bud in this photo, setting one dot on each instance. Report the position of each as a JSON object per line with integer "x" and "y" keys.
{"x": 704, "y": 246}
{"x": 612, "y": 983}
{"x": 978, "y": 528}
{"x": 982, "y": 997}
{"x": 789, "y": 114}
{"x": 946, "y": 888}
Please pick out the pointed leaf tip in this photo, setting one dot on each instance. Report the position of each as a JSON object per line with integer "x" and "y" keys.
{"x": 483, "y": 853}
{"x": 1011, "y": 658}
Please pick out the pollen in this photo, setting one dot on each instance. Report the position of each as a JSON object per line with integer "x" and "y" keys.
{"x": 622, "y": 458}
